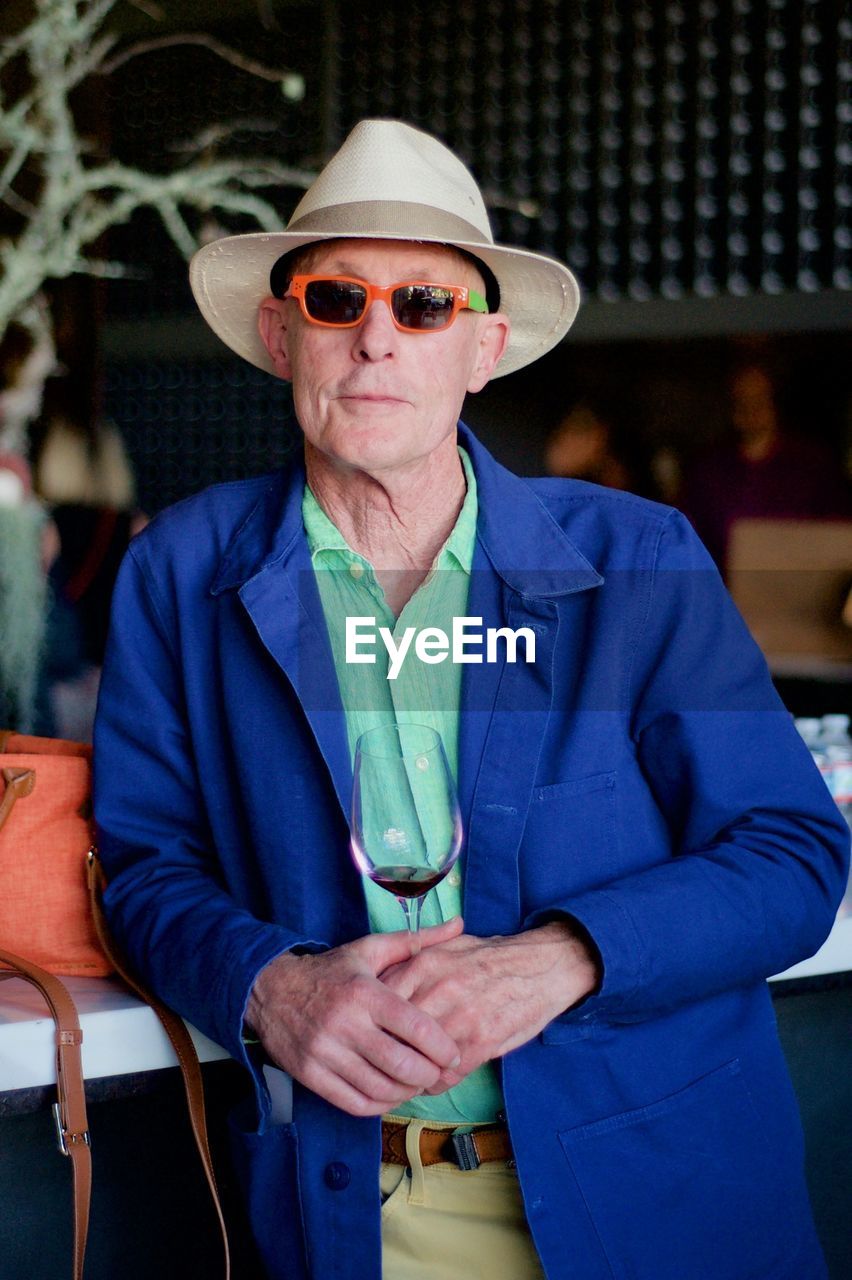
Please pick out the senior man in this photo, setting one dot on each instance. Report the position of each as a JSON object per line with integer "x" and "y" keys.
{"x": 584, "y": 1079}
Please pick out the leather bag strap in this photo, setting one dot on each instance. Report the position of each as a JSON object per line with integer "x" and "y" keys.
{"x": 181, "y": 1041}
{"x": 19, "y": 783}
{"x": 72, "y": 1126}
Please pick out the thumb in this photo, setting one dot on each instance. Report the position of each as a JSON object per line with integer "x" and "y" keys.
{"x": 443, "y": 932}
{"x": 381, "y": 950}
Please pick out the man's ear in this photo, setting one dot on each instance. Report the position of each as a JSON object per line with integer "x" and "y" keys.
{"x": 493, "y": 337}
{"x": 272, "y": 327}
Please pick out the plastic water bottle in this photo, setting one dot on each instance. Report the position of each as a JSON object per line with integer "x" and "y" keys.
{"x": 831, "y": 747}
{"x": 835, "y": 745}
{"x": 810, "y": 729}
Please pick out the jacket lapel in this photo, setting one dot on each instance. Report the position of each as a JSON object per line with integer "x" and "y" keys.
{"x": 284, "y": 605}
{"x": 270, "y": 566}
{"x": 522, "y": 566}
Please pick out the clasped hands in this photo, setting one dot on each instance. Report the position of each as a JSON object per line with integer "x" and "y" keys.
{"x": 367, "y": 1025}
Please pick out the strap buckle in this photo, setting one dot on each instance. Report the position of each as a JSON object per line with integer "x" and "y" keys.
{"x": 63, "y": 1137}
{"x": 467, "y": 1157}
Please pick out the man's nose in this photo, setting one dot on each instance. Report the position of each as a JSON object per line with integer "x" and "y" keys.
{"x": 376, "y": 337}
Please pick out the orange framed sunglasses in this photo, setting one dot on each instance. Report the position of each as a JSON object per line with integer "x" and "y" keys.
{"x": 341, "y": 302}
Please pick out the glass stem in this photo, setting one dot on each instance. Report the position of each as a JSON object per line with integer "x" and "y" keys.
{"x": 412, "y": 908}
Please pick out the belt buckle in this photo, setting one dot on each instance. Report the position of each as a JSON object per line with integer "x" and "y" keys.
{"x": 467, "y": 1157}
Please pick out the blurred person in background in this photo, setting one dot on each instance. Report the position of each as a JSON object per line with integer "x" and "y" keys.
{"x": 761, "y": 469}
{"x": 82, "y": 472}
{"x": 587, "y": 445}
{"x": 28, "y": 539}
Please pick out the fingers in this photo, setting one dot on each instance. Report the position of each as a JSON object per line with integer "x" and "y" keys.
{"x": 442, "y": 932}
{"x": 357, "y": 1064}
{"x": 445, "y": 1082}
{"x": 346, "y": 1036}
{"x": 415, "y": 1031}
{"x": 493, "y": 995}
{"x": 436, "y": 970}
{"x": 331, "y": 1023}
{"x": 386, "y": 949}
{"x": 341, "y": 1092}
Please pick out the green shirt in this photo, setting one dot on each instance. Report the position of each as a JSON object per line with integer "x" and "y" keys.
{"x": 421, "y": 694}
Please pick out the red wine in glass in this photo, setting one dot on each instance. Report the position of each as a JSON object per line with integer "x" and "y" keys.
{"x": 406, "y": 829}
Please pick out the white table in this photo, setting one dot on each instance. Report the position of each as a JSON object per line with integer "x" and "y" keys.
{"x": 121, "y": 1035}
{"x": 834, "y": 956}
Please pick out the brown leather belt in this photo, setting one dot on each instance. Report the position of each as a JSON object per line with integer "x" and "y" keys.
{"x": 437, "y": 1146}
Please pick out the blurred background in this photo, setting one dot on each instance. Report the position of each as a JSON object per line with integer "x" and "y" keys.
{"x": 692, "y": 162}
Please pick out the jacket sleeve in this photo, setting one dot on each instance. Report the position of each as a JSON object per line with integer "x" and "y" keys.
{"x": 760, "y": 850}
{"x": 182, "y": 932}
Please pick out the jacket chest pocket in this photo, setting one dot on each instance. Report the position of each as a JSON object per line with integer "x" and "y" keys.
{"x": 570, "y": 841}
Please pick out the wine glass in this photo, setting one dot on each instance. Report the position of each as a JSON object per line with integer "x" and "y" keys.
{"x": 406, "y": 826}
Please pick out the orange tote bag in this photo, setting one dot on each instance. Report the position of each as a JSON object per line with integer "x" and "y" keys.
{"x": 45, "y": 837}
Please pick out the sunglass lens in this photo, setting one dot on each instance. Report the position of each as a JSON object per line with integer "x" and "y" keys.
{"x": 418, "y": 306}
{"x": 335, "y": 301}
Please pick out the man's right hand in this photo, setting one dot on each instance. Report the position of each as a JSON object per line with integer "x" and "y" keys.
{"x": 329, "y": 1021}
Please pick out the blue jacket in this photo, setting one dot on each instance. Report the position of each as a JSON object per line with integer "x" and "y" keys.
{"x": 642, "y": 777}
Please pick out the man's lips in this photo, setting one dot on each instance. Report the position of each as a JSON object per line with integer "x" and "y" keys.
{"x": 371, "y": 397}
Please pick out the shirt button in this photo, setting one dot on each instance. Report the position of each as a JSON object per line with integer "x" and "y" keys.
{"x": 357, "y": 570}
{"x": 337, "y": 1176}
{"x": 454, "y": 879}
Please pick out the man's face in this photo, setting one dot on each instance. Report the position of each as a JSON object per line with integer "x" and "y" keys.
{"x": 371, "y": 397}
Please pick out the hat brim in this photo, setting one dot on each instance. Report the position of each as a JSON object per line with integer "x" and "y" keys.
{"x": 230, "y": 277}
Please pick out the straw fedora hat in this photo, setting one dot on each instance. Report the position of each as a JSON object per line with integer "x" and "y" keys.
{"x": 388, "y": 181}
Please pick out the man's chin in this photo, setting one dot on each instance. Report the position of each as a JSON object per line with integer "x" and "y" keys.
{"x": 377, "y": 457}
{"x": 379, "y": 442}
{"x": 375, "y": 440}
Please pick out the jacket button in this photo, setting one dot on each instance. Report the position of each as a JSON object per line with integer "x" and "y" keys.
{"x": 337, "y": 1176}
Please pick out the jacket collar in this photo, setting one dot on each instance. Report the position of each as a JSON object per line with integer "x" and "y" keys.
{"x": 520, "y": 538}
{"x": 529, "y": 551}
{"x": 270, "y": 531}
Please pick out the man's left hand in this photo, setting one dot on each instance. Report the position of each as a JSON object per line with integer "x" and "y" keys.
{"x": 494, "y": 994}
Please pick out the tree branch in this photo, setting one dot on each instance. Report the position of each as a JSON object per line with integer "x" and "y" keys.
{"x": 91, "y": 18}
{"x": 218, "y": 133}
{"x": 91, "y": 60}
{"x": 240, "y": 202}
{"x": 180, "y": 233}
{"x": 149, "y": 8}
{"x": 14, "y": 165}
{"x": 17, "y": 203}
{"x": 207, "y": 176}
{"x": 223, "y": 51}
{"x": 77, "y": 195}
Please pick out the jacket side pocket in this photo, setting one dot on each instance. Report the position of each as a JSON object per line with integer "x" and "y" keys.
{"x": 267, "y": 1165}
{"x": 689, "y": 1186}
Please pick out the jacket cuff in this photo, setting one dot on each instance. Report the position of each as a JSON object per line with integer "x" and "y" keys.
{"x": 607, "y": 928}
{"x": 242, "y": 1042}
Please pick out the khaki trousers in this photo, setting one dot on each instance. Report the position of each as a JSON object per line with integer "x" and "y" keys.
{"x": 441, "y": 1223}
